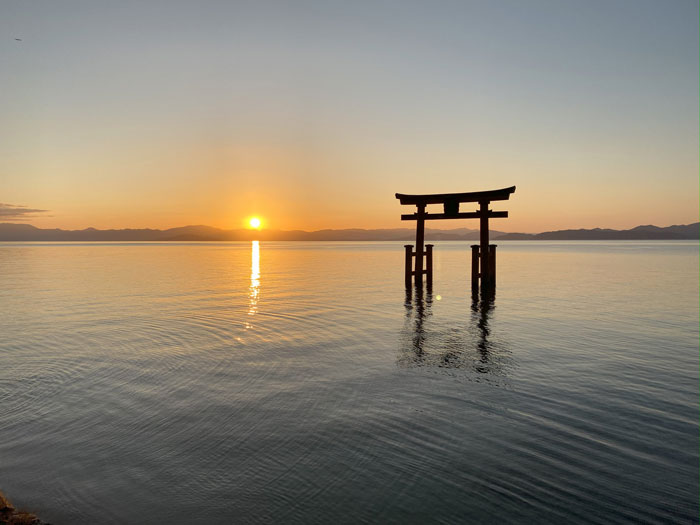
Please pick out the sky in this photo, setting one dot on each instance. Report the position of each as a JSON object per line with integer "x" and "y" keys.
{"x": 312, "y": 115}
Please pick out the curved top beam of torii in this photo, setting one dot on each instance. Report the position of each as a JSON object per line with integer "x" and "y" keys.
{"x": 475, "y": 196}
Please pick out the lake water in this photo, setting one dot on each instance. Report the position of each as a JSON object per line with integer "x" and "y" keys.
{"x": 296, "y": 383}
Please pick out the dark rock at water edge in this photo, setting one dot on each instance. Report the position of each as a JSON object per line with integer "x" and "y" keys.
{"x": 9, "y": 515}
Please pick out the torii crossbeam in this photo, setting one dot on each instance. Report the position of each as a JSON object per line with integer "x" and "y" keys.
{"x": 482, "y": 255}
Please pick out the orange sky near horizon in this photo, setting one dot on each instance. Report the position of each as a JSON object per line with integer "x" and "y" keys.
{"x": 312, "y": 116}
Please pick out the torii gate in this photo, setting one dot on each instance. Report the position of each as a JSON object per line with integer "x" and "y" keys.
{"x": 483, "y": 255}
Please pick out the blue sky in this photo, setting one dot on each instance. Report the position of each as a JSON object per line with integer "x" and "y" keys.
{"x": 312, "y": 114}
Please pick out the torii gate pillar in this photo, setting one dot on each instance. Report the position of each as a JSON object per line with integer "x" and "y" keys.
{"x": 483, "y": 254}
{"x": 484, "y": 245}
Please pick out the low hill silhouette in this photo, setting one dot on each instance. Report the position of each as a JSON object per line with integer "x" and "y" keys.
{"x": 27, "y": 233}
{"x": 648, "y": 232}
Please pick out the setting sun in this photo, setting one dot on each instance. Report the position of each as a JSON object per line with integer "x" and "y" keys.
{"x": 255, "y": 223}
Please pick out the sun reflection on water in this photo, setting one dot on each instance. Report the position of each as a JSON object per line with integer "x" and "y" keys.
{"x": 254, "y": 289}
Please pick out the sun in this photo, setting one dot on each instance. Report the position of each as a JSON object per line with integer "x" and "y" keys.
{"x": 255, "y": 223}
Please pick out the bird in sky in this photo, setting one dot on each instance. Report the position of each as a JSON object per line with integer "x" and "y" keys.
{"x": 18, "y": 39}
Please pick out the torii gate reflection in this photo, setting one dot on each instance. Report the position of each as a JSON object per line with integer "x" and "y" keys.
{"x": 425, "y": 343}
{"x": 483, "y": 254}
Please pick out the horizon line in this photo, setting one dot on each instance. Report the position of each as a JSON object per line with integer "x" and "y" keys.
{"x": 251, "y": 230}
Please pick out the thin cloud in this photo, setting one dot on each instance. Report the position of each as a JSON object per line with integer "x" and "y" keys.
{"x": 12, "y": 212}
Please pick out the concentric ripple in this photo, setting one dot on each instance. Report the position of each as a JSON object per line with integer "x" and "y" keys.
{"x": 299, "y": 383}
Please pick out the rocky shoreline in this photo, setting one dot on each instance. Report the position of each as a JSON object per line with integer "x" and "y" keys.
{"x": 9, "y": 515}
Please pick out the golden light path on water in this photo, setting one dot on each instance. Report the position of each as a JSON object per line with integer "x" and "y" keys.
{"x": 254, "y": 290}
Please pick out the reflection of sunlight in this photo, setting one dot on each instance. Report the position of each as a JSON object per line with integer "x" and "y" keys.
{"x": 254, "y": 290}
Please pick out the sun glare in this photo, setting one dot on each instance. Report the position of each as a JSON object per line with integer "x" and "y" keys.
{"x": 255, "y": 223}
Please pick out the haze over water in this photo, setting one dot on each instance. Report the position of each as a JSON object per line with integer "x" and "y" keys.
{"x": 297, "y": 383}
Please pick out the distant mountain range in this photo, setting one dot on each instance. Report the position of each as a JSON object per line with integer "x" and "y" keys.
{"x": 26, "y": 232}
{"x": 648, "y": 232}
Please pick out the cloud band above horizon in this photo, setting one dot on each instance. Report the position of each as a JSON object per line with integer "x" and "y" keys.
{"x": 16, "y": 212}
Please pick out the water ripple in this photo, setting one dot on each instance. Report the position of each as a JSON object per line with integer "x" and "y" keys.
{"x": 205, "y": 384}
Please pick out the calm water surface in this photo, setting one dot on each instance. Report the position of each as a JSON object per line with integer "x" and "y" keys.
{"x": 296, "y": 383}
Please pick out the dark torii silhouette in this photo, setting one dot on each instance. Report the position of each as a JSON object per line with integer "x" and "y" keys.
{"x": 483, "y": 258}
